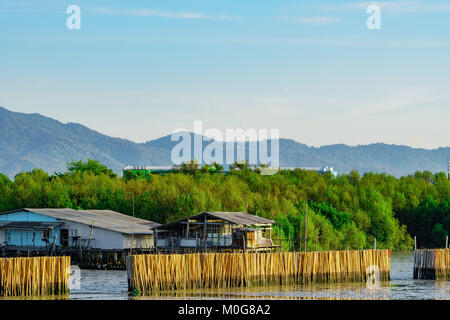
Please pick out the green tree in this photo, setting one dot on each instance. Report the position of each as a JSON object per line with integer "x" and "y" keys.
{"x": 89, "y": 166}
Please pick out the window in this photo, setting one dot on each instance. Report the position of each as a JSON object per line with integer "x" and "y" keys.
{"x": 45, "y": 235}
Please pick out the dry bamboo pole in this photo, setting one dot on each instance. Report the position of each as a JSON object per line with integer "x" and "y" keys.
{"x": 442, "y": 264}
{"x": 223, "y": 270}
{"x": 29, "y": 276}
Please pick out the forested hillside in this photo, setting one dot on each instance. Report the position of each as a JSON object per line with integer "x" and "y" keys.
{"x": 29, "y": 141}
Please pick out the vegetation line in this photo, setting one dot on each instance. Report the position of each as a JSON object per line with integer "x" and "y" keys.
{"x": 344, "y": 212}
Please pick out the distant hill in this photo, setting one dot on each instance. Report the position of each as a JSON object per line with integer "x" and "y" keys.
{"x": 29, "y": 141}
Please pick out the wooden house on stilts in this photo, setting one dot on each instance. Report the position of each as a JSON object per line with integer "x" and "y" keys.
{"x": 215, "y": 231}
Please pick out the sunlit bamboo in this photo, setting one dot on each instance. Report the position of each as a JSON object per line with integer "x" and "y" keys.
{"x": 223, "y": 270}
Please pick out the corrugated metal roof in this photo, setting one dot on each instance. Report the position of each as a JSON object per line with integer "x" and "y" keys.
{"x": 105, "y": 219}
{"x": 302, "y": 168}
{"x": 33, "y": 225}
{"x": 148, "y": 168}
{"x": 239, "y": 218}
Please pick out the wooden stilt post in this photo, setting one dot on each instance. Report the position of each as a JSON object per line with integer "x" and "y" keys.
{"x": 375, "y": 244}
{"x": 446, "y": 242}
{"x": 187, "y": 229}
{"x": 415, "y": 243}
{"x": 204, "y": 232}
{"x": 155, "y": 236}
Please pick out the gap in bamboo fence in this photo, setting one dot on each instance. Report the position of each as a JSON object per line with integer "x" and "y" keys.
{"x": 432, "y": 264}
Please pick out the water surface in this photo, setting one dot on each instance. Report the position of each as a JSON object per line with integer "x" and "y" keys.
{"x": 100, "y": 284}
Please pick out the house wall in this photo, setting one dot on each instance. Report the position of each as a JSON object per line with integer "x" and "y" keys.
{"x": 17, "y": 237}
{"x": 2, "y": 236}
{"x": 30, "y": 238}
{"x": 140, "y": 241}
{"x": 101, "y": 238}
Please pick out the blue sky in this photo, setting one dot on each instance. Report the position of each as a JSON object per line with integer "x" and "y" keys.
{"x": 142, "y": 69}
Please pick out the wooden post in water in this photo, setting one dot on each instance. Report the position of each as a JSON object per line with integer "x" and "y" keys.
{"x": 54, "y": 244}
{"x": 90, "y": 235}
{"x": 204, "y": 232}
{"x": 415, "y": 243}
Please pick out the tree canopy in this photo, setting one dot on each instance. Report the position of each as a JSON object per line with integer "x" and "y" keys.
{"x": 342, "y": 212}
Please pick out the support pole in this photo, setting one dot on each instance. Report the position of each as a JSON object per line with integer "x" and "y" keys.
{"x": 155, "y": 237}
{"x": 316, "y": 240}
{"x": 415, "y": 243}
{"x": 187, "y": 229}
{"x": 132, "y": 229}
{"x": 204, "y": 232}
{"x": 289, "y": 240}
{"x": 375, "y": 244}
{"x": 306, "y": 223}
{"x": 279, "y": 243}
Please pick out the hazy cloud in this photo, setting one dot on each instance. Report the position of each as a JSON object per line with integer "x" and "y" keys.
{"x": 404, "y": 6}
{"x": 161, "y": 14}
{"x": 401, "y": 100}
{"x": 314, "y": 21}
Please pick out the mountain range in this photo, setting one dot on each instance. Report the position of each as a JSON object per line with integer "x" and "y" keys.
{"x": 29, "y": 141}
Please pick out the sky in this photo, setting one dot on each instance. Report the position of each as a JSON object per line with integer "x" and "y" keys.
{"x": 312, "y": 69}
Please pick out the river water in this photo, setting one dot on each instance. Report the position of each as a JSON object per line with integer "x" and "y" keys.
{"x": 100, "y": 284}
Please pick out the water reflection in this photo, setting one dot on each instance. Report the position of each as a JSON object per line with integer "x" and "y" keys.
{"x": 331, "y": 291}
{"x": 47, "y": 297}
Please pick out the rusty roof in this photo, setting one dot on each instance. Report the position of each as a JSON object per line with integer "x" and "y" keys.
{"x": 237, "y": 218}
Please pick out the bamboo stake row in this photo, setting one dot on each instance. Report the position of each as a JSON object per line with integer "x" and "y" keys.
{"x": 442, "y": 264}
{"x": 34, "y": 276}
{"x": 154, "y": 272}
{"x": 432, "y": 264}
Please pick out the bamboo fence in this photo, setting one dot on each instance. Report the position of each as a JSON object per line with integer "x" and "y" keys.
{"x": 432, "y": 264}
{"x": 153, "y": 272}
{"x": 34, "y": 276}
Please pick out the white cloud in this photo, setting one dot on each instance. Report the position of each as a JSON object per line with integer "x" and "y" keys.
{"x": 400, "y": 100}
{"x": 162, "y": 14}
{"x": 404, "y": 6}
{"x": 314, "y": 21}
{"x": 392, "y": 6}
